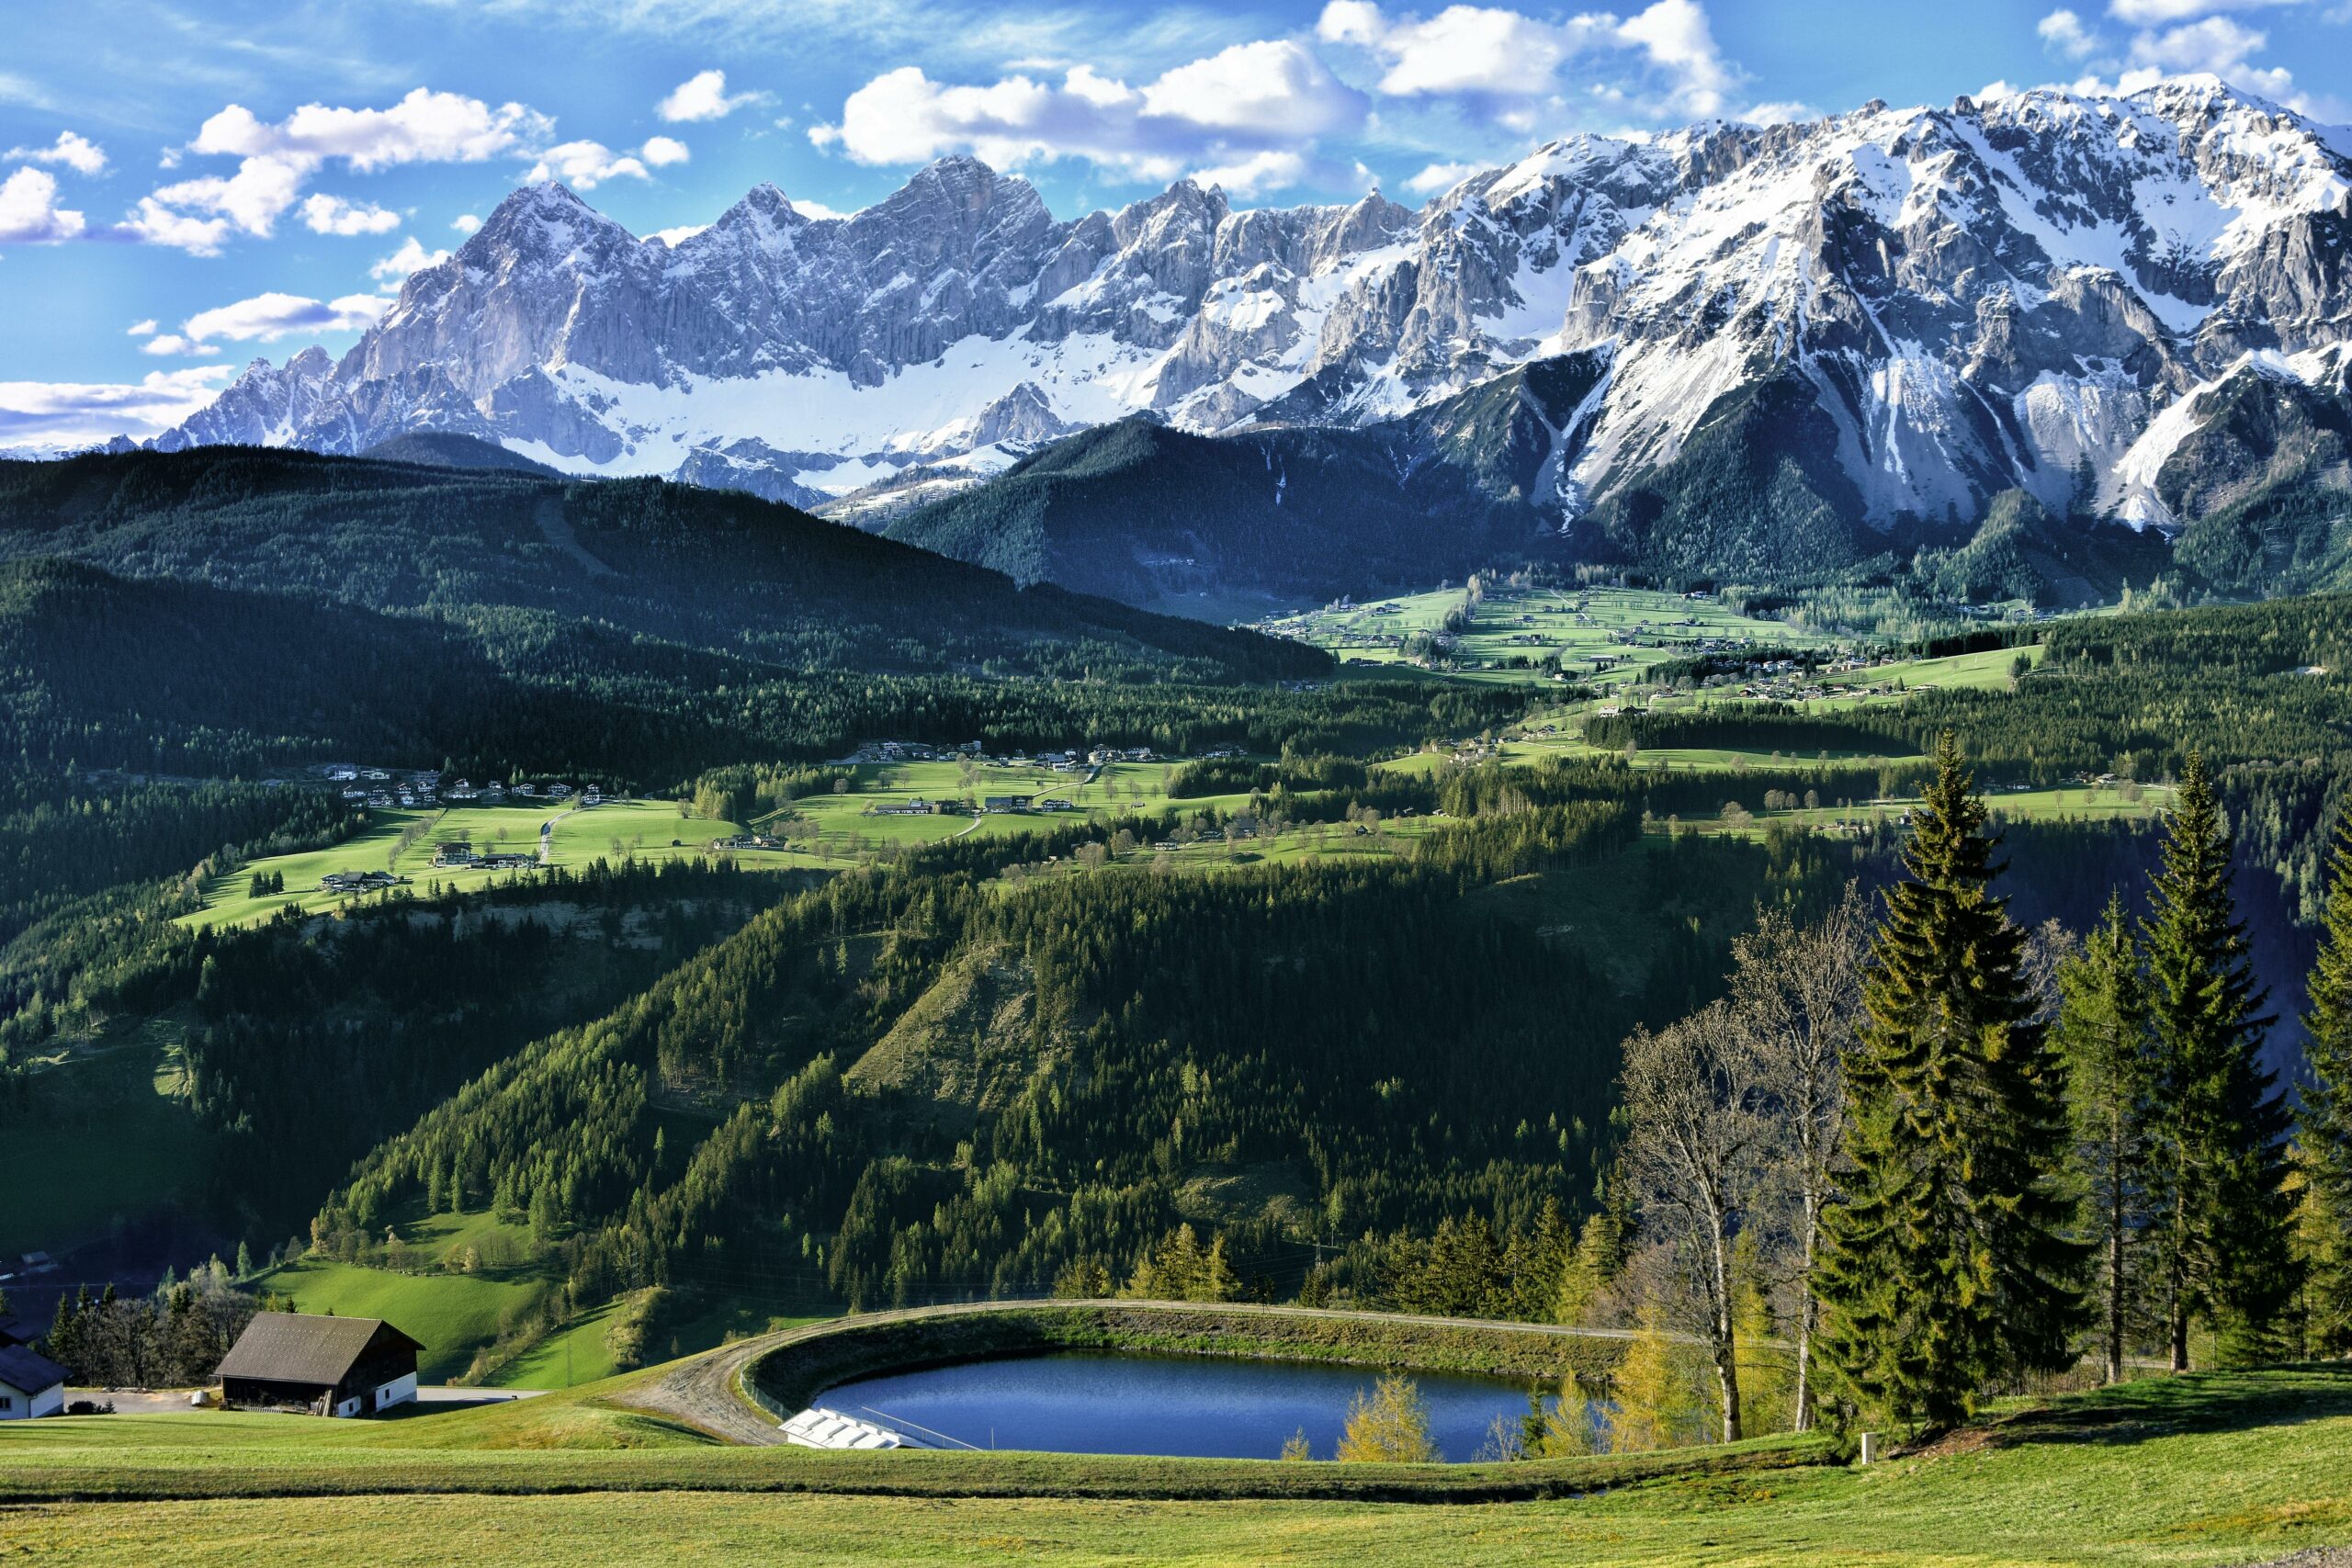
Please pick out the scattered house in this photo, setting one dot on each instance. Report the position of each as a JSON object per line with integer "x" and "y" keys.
{"x": 1055, "y": 802}
{"x": 593, "y": 798}
{"x": 918, "y": 806}
{"x": 747, "y": 842}
{"x": 356, "y": 881}
{"x": 1004, "y": 803}
{"x": 30, "y": 1383}
{"x": 327, "y": 1365}
{"x": 37, "y": 1262}
{"x": 559, "y": 792}
{"x": 459, "y": 854}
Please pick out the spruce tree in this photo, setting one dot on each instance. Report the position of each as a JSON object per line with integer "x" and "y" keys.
{"x": 2327, "y": 1108}
{"x": 2221, "y": 1147}
{"x": 1947, "y": 1262}
{"x": 2110, "y": 1066}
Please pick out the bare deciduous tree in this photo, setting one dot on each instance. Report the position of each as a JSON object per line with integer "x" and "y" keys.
{"x": 1691, "y": 1101}
{"x": 1797, "y": 995}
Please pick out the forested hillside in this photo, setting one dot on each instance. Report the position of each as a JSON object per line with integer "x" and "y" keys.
{"x": 535, "y": 557}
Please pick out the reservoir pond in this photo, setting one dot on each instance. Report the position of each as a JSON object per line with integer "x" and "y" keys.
{"x": 1202, "y": 1406}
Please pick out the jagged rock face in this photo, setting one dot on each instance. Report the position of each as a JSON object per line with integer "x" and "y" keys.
{"x": 268, "y": 406}
{"x": 2020, "y": 293}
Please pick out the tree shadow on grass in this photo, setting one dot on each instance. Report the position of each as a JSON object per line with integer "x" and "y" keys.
{"x": 2171, "y": 1405}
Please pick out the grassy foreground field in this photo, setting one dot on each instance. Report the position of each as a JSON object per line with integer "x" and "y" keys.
{"x": 2214, "y": 1469}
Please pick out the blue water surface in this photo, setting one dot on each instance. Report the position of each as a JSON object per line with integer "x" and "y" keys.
{"x": 1204, "y": 1407}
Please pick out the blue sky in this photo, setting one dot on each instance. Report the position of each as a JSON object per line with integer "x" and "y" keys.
{"x": 184, "y": 186}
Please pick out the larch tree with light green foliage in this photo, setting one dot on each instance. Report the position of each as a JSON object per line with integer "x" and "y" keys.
{"x": 1654, "y": 1395}
{"x": 1389, "y": 1426}
{"x": 1593, "y": 1262}
{"x": 2103, "y": 1033}
{"x": 2221, "y": 1162}
{"x": 1948, "y": 1261}
{"x": 2326, "y": 1120}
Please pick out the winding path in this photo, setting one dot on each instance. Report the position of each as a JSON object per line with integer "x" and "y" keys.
{"x": 705, "y": 1392}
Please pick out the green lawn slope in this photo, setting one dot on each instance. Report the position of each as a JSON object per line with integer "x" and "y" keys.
{"x": 2212, "y": 1468}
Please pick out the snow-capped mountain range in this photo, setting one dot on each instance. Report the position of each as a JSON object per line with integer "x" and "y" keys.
{"x": 2036, "y": 291}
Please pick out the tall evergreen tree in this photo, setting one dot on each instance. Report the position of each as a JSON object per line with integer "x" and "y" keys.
{"x": 2327, "y": 1108}
{"x": 1946, "y": 1261}
{"x": 2110, "y": 1066}
{"x": 2222, "y": 1132}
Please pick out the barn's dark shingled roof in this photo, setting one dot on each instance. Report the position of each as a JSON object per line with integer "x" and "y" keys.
{"x": 21, "y": 1367}
{"x": 295, "y": 1347}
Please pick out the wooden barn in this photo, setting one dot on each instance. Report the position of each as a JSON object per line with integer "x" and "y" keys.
{"x": 327, "y": 1365}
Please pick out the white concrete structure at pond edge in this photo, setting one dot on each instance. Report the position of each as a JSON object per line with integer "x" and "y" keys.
{"x": 818, "y": 1427}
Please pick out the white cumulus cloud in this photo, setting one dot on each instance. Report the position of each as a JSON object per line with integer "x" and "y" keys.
{"x": 2063, "y": 32}
{"x": 333, "y": 214}
{"x": 266, "y": 317}
{"x": 1436, "y": 177}
{"x": 142, "y": 329}
{"x": 2153, "y": 13}
{"x": 169, "y": 343}
{"x": 466, "y": 223}
{"x": 42, "y": 413}
{"x": 277, "y": 159}
{"x": 77, "y": 152}
{"x": 1254, "y": 175}
{"x": 660, "y": 151}
{"x": 393, "y": 269}
{"x": 424, "y": 127}
{"x": 1663, "y": 60}
{"x": 28, "y": 211}
{"x": 2215, "y": 44}
{"x": 1225, "y": 112}
{"x": 702, "y": 96}
{"x": 587, "y": 166}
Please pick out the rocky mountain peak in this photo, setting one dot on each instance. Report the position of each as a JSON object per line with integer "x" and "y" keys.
{"x": 1977, "y": 297}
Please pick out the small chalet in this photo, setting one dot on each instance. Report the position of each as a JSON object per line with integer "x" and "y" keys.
{"x": 30, "y": 1383}
{"x": 326, "y": 1366}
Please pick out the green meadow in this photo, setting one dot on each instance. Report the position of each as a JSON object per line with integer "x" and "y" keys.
{"x": 1635, "y": 627}
{"x": 2200, "y": 1471}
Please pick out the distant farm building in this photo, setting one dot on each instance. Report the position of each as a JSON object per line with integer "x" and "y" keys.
{"x": 326, "y": 1366}
{"x": 30, "y": 1383}
{"x": 1005, "y": 803}
{"x": 915, "y": 808}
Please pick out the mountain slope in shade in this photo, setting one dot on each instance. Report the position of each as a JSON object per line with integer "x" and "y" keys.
{"x": 1926, "y": 306}
{"x": 546, "y": 567}
{"x": 1144, "y": 512}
